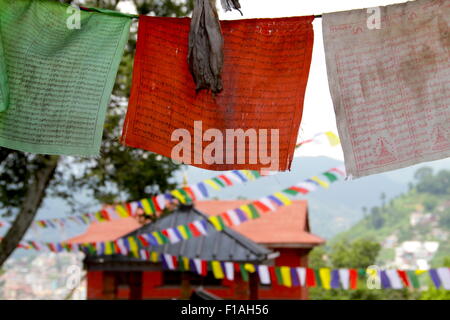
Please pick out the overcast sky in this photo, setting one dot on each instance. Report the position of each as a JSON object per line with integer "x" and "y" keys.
{"x": 318, "y": 113}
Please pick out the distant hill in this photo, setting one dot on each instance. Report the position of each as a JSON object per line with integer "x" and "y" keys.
{"x": 421, "y": 214}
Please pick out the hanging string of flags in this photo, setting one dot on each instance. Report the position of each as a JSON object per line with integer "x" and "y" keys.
{"x": 197, "y": 228}
{"x": 289, "y": 276}
{"x": 325, "y": 278}
{"x": 156, "y": 204}
{"x": 332, "y": 138}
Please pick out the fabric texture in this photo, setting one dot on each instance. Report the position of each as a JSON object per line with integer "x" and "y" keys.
{"x": 266, "y": 65}
{"x": 4, "y": 91}
{"x": 390, "y": 86}
{"x": 60, "y": 78}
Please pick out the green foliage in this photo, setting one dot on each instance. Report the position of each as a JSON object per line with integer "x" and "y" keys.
{"x": 427, "y": 182}
{"x": 376, "y": 218}
{"x": 435, "y": 294}
{"x": 444, "y": 218}
{"x": 430, "y": 204}
{"x": 360, "y": 253}
{"x": 317, "y": 258}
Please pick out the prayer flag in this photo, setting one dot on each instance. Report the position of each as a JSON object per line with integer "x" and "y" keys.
{"x": 413, "y": 279}
{"x": 389, "y": 84}
{"x": 394, "y": 279}
{"x": 444, "y": 276}
{"x": 286, "y": 276}
{"x": 310, "y": 278}
{"x": 301, "y": 271}
{"x": 229, "y": 270}
{"x": 59, "y": 77}
{"x": 276, "y": 77}
{"x": 435, "y": 277}
{"x": 217, "y": 270}
{"x": 353, "y": 279}
{"x": 332, "y": 138}
{"x": 244, "y": 272}
{"x": 263, "y": 274}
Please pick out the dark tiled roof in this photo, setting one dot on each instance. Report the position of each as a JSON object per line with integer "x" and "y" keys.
{"x": 226, "y": 245}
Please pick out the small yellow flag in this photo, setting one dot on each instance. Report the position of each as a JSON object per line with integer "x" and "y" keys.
{"x": 286, "y": 276}
{"x": 325, "y": 278}
{"x": 217, "y": 270}
{"x": 249, "y": 267}
{"x": 332, "y": 138}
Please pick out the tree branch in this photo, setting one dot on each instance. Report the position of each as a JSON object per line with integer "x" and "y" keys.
{"x": 30, "y": 205}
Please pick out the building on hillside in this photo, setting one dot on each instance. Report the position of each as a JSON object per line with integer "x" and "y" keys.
{"x": 281, "y": 238}
{"x": 415, "y": 254}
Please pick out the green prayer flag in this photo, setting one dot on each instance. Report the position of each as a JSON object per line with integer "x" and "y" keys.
{"x": 255, "y": 213}
{"x": 185, "y": 195}
{"x": 413, "y": 279}
{"x": 255, "y": 173}
{"x": 362, "y": 273}
{"x": 291, "y": 192}
{"x": 152, "y": 205}
{"x": 222, "y": 223}
{"x": 318, "y": 278}
{"x": 331, "y": 177}
{"x": 219, "y": 182}
{"x": 279, "y": 276}
{"x": 244, "y": 272}
{"x": 60, "y": 75}
{"x": 188, "y": 232}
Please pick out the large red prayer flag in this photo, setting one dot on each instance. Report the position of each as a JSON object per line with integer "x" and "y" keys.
{"x": 266, "y": 66}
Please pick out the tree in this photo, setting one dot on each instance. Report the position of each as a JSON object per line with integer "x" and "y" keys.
{"x": 120, "y": 174}
{"x": 383, "y": 199}
{"x": 317, "y": 258}
{"x": 438, "y": 184}
{"x": 423, "y": 173}
{"x": 361, "y": 253}
{"x": 444, "y": 219}
{"x": 376, "y": 217}
{"x": 364, "y": 210}
{"x": 430, "y": 203}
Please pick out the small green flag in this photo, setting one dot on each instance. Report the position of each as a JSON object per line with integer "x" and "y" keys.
{"x": 219, "y": 182}
{"x": 331, "y": 177}
{"x": 291, "y": 192}
{"x": 413, "y": 279}
{"x": 318, "y": 279}
{"x": 279, "y": 276}
{"x": 244, "y": 272}
{"x": 255, "y": 213}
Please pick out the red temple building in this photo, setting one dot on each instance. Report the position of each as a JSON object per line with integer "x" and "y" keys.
{"x": 282, "y": 238}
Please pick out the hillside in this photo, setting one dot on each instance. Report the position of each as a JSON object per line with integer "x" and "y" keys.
{"x": 420, "y": 214}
